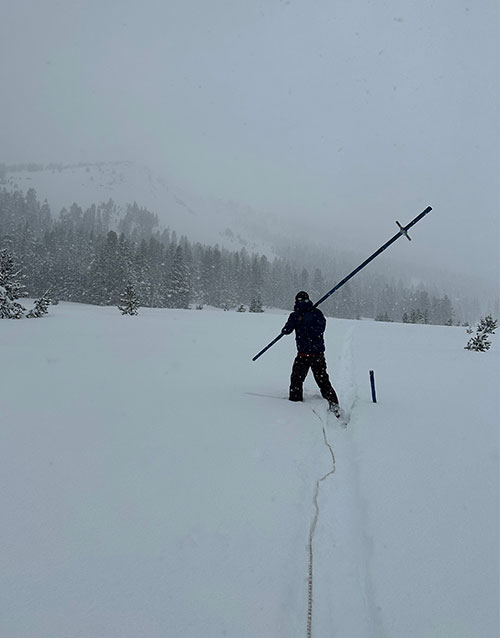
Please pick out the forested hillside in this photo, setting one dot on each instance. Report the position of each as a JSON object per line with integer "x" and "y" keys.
{"x": 90, "y": 255}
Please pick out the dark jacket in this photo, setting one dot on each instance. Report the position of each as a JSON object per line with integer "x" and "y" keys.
{"x": 309, "y": 324}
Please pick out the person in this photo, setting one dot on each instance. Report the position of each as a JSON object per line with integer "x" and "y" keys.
{"x": 309, "y": 324}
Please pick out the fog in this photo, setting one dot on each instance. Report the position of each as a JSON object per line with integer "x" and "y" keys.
{"x": 345, "y": 115}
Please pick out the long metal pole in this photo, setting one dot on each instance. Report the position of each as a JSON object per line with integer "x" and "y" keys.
{"x": 403, "y": 230}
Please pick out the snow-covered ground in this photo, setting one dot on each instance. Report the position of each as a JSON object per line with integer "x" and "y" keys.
{"x": 154, "y": 481}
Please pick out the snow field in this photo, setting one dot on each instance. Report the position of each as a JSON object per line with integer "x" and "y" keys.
{"x": 154, "y": 483}
{"x": 427, "y": 463}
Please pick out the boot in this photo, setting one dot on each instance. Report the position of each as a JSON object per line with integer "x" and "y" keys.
{"x": 334, "y": 407}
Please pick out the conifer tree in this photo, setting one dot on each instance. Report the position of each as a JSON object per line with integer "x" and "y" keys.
{"x": 417, "y": 316}
{"x": 205, "y": 277}
{"x": 110, "y": 267}
{"x": 443, "y": 313}
{"x": 304, "y": 279}
{"x": 10, "y": 288}
{"x": 256, "y": 285}
{"x": 256, "y": 305}
{"x": 129, "y": 301}
{"x": 383, "y": 317}
{"x": 40, "y": 307}
{"x": 318, "y": 284}
{"x": 480, "y": 342}
{"x": 179, "y": 284}
{"x": 423, "y": 304}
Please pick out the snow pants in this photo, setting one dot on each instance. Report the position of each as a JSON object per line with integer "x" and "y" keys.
{"x": 301, "y": 366}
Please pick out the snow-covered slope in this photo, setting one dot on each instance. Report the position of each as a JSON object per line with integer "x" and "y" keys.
{"x": 155, "y": 482}
{"x": 201, "y": 219}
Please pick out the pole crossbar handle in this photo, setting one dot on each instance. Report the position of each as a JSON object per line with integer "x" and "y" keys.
{"x": 403, "y": 231}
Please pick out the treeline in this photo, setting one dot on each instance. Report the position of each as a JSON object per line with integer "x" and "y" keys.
{"x": 91, "y": 255}
{"x": 33, "y": 167}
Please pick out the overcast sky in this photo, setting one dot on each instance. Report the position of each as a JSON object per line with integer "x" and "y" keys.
{"x": 346, "y": 113}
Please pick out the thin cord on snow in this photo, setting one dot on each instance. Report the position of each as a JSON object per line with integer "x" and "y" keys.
{"x": 312, "y": 531}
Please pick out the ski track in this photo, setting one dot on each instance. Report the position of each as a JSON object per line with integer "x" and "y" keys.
{"x": 339, "y": 571}
{"x": 310, "y": 575}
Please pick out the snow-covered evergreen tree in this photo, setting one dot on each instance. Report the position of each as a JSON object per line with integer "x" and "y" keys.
{"x": 416, "y": 316}
{"x": 256, "y": 305}
{"x": 108, "y": 270}
{"x": 256, "y": 284}
{"x": 304, "y": 279}
{"x": 480, "y": 342}
{"x": 205, "y": 281}
{"x": 443, "y": 311}
{"x": 383, "y": 317}
{"x": 129, "y": 301}
{"x": 10, "y": 288}
{"x": 40, "y": 307}
{"x": 178, "y": 289}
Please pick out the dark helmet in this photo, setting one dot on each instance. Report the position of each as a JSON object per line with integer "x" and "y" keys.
{"x": 302, "y": 296}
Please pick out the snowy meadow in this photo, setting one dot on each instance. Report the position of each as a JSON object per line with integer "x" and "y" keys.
{"x": 156, "y": 482}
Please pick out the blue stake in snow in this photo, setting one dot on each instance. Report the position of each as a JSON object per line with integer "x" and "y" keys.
{"x": 372, "y": 384}
{"x": 403, "y": 230}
